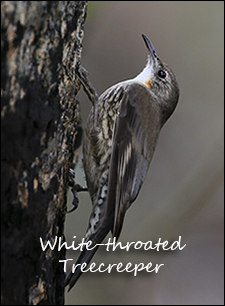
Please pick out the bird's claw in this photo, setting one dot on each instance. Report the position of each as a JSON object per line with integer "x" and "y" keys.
{"x": 75, "y": 188}
{"x": 89, "y": 90}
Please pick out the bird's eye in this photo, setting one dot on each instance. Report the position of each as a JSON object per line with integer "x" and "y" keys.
{"x": 162, "y": 74}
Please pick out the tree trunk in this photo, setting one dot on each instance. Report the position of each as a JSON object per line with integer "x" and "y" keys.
{"x": 41, "y": 132}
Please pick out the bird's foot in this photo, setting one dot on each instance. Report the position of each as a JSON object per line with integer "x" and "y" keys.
{"x": 75, "y": 188}
{"x": 89, "y": 90}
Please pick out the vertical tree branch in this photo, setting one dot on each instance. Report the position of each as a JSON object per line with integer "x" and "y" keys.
{"x": 41, "y": 45}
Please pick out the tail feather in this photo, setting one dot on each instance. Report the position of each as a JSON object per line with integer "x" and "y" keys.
{"x": 86, "y": 255}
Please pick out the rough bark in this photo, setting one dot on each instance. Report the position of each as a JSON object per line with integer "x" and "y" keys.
{"x": 41, "y": 44}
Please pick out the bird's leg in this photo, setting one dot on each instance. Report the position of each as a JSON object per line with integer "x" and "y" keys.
{"x": 82, "y": 75}
{"x": 75, "y": 188}
{"x": 90, "y": 91}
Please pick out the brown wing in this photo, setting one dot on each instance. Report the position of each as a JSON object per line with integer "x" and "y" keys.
{"x": 130, "y": 155}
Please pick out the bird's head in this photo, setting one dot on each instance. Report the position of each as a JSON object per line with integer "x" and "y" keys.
{"x": 160, "y": 80}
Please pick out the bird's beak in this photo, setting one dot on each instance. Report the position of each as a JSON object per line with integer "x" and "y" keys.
{"x": 153, "y": 55}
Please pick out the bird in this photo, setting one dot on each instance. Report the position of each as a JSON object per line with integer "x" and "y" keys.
{"x": 119, "y": 140}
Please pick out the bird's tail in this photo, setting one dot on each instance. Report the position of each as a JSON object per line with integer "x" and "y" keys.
{"x": 86, "y": 255}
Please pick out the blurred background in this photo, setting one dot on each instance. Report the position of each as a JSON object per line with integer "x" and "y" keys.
{"x": 183, "y": 192}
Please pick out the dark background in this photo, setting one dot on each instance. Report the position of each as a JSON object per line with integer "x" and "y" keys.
{"x": 183, "y": 192}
